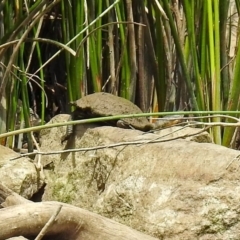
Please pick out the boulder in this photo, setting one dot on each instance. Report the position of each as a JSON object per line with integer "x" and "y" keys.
{"x": 20, "y": 175}
{"x": 173, "y": 189}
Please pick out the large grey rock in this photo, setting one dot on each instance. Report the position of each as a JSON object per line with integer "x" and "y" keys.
{"x": 172, "y": 190}
{"x": 19, "y": 175}
{"x": 188, "y": 133}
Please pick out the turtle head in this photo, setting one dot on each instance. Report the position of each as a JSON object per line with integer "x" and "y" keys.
{"x": 73, "y": 104}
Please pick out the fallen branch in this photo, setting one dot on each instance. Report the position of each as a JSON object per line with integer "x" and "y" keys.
{"x": 71, "y": 223}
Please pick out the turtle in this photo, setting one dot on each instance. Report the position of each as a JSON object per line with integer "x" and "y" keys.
{"x": 101, "y": 104}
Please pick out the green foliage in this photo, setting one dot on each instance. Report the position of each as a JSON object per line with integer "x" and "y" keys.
{"x": 161, "y": 55}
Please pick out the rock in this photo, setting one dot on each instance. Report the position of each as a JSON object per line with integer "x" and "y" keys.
{"x": 176, "y": 189}
{"x": 52, "y": 137}
{"x": 19, "y": 175}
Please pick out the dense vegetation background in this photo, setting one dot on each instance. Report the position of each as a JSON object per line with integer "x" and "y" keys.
{"x": 164, "y": 55}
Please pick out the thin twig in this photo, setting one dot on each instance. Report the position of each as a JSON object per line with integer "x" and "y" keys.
{"x": 137, "y": 142}
{"x": 39, "y": 165}
{"x": 48, "y": 224}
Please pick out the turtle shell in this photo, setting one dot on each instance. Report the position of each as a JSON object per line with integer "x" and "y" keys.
{"x": 105, "y": 104}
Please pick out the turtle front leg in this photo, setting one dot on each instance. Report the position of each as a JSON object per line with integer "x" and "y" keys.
{"x": 69, "y": 131}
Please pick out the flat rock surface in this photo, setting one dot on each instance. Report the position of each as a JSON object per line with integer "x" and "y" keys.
{"x": 175, "y": 189}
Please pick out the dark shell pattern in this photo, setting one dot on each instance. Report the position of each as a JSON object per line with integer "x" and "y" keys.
{"x": 105, "y": 104}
